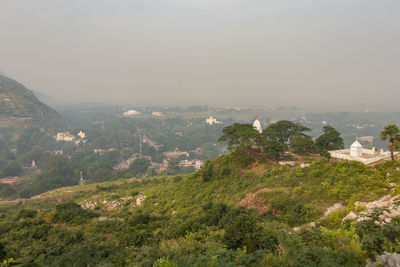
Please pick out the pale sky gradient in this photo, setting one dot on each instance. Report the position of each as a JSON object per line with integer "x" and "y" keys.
{"x": 204, "y": 51}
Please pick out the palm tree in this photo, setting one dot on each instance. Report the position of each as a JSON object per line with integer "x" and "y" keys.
{"x": 392, "y": 133}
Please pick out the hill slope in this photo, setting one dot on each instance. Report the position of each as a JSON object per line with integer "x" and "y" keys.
{"x": 20, "y": 107}
{"x": 198, "y": 220}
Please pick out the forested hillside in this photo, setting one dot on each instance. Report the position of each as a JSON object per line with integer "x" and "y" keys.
{"x": 19, "y": 107}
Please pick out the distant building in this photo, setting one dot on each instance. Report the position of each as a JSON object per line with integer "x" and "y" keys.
{"x": 56, "y": 152}
{"x": 81, "y": 181}
{"x": 162, "y": 167}
{"x": 175, "y": 154}
{"x": 191, "y": 163}
{"x": 11, "y": 181}
{"x": 157, "y": 114}
{"x": 65, "y": 136}
{"x": 82, "y": 135}
{"x": 100, "y": 151}
{"x": 257, "y": 125}
{"x": 358, "y": 153}
{"x": 131, "y": 113}
{"x": 212, "y": 121}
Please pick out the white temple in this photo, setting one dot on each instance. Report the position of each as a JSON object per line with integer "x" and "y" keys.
{"x": 212, "y": 121}
{"x": 359, "y": 153}
{"x": 81, "y": 134}
{"x": 257, "y": 125}
{"x": 131, "y": 113}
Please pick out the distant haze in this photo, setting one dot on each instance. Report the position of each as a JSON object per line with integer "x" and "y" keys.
{"x": 242, "y": 52}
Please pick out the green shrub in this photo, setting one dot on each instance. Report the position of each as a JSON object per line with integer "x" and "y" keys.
{"x": 25, "y": 213}
{"x": 70, "y": 212}
{"x": 243, "y": 231}
{"x": 165, "y": 262}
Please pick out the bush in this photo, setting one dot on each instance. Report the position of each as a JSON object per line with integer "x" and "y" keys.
{"x": 25, "y": 213}
{"x": 164, "y": 262}
{"x": 207, "y": 171}
{"x": 243, "y": 231}
{"x": 70, "y": 212}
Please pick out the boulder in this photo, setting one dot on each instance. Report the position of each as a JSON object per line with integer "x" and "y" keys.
{"x": 336, "y": 206}
{"x": 140, "y": 200}
{"x": 385, "y": 260}
{"x": 351, "y": 216}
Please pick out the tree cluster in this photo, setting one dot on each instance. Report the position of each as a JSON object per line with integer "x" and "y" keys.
{"x": 278, "y": 139}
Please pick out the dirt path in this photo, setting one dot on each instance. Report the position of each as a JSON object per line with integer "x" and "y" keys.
{"x": 253, "y": 201}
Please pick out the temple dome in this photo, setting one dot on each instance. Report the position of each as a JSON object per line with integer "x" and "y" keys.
{"x": 257, "y": 125}
{"x": 356, "y": 149}
{"x": 356, "y": 144}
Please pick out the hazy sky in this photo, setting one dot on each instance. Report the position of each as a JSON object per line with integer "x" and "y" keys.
{"x": 204, "y": 51}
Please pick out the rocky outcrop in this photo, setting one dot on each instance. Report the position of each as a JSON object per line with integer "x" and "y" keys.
{"x": 389, "y": 205}
{"x": 105, "y": 204}
{"x": 336, "y": 206}
{"x": 385, "y": 260}
{"x": 140, "y": 200}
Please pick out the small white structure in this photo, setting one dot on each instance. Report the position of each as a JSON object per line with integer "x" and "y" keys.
{"x": 82, "y": 135}
{"x": 257, "y": 125}
{"x": 157, "y": 114}
{"x": 175, "y": 154}
{"x": 131, "y": 113}
{"x": 212, "y": 121}
{"x": 356, "y": 149}
{"x": 196, "y": 163}
{"x": 100, "y": 151}
{"x": 65, "y": 136}
{"x": 359, "y": 153}
{"x": 81, "y": 181}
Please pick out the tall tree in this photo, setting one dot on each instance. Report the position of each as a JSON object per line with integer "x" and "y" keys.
{"x": 392, "y": 133}
{"x": 270, "y": 144}
{"x": 301, "y": 144}
{"x": 329, "y": 140}
{"x": 284, "y": 130}
{"x": 239, "y": 137}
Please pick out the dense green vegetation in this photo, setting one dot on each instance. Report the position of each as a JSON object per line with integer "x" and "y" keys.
{"x": 277, "y": 140}
{"x": 19, "y": 107}
{"x": 392, "y": 133}
{"x": 195, "y": 219}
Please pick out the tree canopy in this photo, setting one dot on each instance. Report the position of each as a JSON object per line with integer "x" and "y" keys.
{"x": 392, "y": 134}
{"x": 329, "y": 140}
{"x": 239, "y": 137}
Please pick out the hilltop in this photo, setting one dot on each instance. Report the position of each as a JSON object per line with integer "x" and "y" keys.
{"x": 20, "y": 108}
{"x": 227, "y": 214}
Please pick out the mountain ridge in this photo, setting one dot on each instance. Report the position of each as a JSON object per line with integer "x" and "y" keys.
{"x": 19, "y": 106}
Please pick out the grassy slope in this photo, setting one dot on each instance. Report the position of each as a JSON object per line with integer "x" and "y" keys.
{"x": 177, "y": 202}
{"x": 320, "y": 185}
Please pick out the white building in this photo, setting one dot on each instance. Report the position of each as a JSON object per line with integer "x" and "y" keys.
{"x": 131, "y": 113}
{"x": 257, "y": 125}
{"x": 65, "y": 136}
{"x": 359, "y": 153}
{"x": 212, "y": 121}
{"x": 175, "y": 154}
{"x": 82, "y": 135}
{"x": 157, "y": 114}
{"x": 191, "y": 163}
